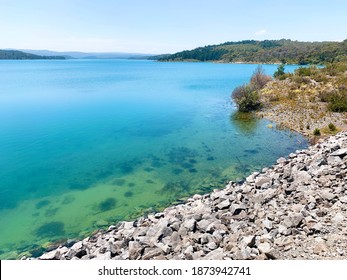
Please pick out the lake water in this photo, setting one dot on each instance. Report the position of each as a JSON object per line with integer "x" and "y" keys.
{"x": 87, "y": 143}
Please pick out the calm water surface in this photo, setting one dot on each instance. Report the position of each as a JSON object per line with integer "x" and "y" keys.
{"x": 87, "y": 143}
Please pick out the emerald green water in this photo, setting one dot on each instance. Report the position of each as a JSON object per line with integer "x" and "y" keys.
{"x": 87, "y": 143}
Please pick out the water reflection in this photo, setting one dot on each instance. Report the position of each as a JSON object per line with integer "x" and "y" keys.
{"x": 245, "y": 123}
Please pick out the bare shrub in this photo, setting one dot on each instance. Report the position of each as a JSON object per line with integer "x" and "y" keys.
{"x": 259, "y": 79}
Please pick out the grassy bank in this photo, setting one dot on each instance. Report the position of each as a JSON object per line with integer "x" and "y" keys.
{"x": 312, "y": 100}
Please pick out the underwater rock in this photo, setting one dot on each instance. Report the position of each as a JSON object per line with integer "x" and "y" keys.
{"x": 181, "y": 154}
{"x": 149, "y": 169}
{"x": 107, "y": 204}
{"x": 251, "y": 151}
{"x": 128, "y": 194}
{"x": 68, "y": 199}
{"x": 175, "y": 187}
{"x": 177, "y": 171}
{"x": 37, "y": 251}
{"x": 51, "y": 212}
{"x": 118, "y": 182}
{"x": 101, "y": 223}
{"x": 42, "y": 204}
{"x": 50, "y": 230}
{"x": 187, "y": 165}
{"x": 127, "y": 167}
{"x": 78, "y": 186}
{"x": 149, "y": 181}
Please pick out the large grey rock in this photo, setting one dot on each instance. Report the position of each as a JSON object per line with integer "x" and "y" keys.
{"x": 106, "y": 256}
{"x": 338, "y": 218}
{"x": 267, "y": 224}
{"x": 262, "y": 179}
{"x": 77, "y": 246}
{"x": 150, "y": 253}
{"x": 281, "y": 160}
{"x": 203, "y": 225}
{"x": 302, "y": 177}
{"x": 293, "y": 220}
{"x": 264, "y": 247}
{"x": 327, "y": 194}
{"x": 223, "y": 205}
{"x": 212, "y": 245}
{"x": 164, "y": 247}
{"x": 189, "y": 224}
{"x": 53, "y": 255}
{"x": 189, "y": 250}
{"x": 249, "y": 240}
{"x": 245, "y": 253}
{"x": 135, "y": 250}
{"x": 164, "y": 232}
{"x": 217, "y": 254}
{"x": 319, "y": 246}
{"x": 334, "y": 161}
{"x": 340, "y": 153}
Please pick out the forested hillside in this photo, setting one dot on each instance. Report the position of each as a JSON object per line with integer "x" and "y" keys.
{"x": 268, "y": 51}
{"x": 18, "y": 55}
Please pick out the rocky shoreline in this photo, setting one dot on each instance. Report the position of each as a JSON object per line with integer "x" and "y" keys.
{"x": 295, "y": 209}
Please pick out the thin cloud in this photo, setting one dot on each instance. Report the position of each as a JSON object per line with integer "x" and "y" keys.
{"x": 260, "y": 32}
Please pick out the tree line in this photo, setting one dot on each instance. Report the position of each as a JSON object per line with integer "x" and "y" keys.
{"x": 267, "y": 51}
{"x": 18, "y": 55}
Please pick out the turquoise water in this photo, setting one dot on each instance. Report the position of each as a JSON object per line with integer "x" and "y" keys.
{"x": 87, "y": 143}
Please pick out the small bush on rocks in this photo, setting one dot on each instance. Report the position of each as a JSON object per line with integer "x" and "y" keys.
{"x": 316, "y": 132}
{"x": 332, "y": 127}
{"x": 338, "y": 102}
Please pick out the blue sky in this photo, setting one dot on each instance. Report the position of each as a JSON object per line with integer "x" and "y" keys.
{"x": 153, "y": 26}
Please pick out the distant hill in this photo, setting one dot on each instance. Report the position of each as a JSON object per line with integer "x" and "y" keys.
{"x": 19, "y": 55}
{"x": 90, "y": 55}
{"x": 268, "y": 51}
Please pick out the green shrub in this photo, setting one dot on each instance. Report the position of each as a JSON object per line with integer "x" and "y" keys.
{"x": 246, "y": 98}
{"x": 320, "y": 77}
{"x": 301, "y": 80}
{"x": 279, "y": 72}
{"x": 306, "y": 71}
{"x": 338, "y": 102}
{"x": 325, "y": 96}
{"x": 333, "y": 69}
{"x": 316, "y": 132}
{"x": 302, "y": 71}
{"x": 342, "y": 82}
{"x": 332, "y": 127}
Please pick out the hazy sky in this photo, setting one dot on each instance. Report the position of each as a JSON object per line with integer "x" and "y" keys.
{"x": 154, "y": 26}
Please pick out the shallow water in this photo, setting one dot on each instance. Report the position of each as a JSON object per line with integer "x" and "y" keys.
{"x": 87, "y": 143}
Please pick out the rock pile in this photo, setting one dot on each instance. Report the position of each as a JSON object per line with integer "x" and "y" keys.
{"x": 294, "y": 210}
